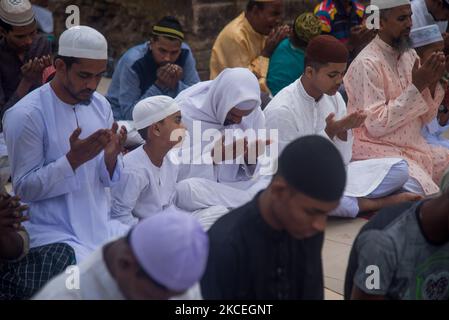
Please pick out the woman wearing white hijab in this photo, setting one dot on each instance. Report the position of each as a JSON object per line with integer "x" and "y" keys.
{"x": 230, "y": 102}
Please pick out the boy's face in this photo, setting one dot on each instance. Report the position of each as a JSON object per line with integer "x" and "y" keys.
{"x": 328, "y": 78}
{"x": 172, "y": 130}
{"x": 300, "y": 215}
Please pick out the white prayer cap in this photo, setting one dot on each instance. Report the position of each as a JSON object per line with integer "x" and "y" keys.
{"x": 425, "y": 35}
{"x": 153, "y": 109}
{"x": 83, "y": 42}
{"x": 172, "y": 248}
{"x": 16, "y": 12}
{"x": 388, "y": 4}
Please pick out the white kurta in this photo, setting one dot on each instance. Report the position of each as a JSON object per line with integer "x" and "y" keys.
{"x": 95, "y": 283}
{"x": 65, "y": 205}
{"x": 295, "y": 114}
{"x": 143, "y": 189}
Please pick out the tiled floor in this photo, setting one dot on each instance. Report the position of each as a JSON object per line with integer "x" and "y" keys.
{"x": 340, "y": 235}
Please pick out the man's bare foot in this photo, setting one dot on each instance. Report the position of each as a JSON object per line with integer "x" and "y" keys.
{"x": 367, "y": 205}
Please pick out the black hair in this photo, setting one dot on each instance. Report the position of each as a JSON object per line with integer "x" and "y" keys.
{"x": 308, "y": 62}
{"x": 68, "y": 61}
{"x": 155, "y": 38}
{"x": 168, "y": 22}
{"x": 143, "y": 133}
{"x": 307, "y": 162}
{"x": 254, "y": 4}
{"x": 297, "y": 41}
{"x": 6, "y": 26}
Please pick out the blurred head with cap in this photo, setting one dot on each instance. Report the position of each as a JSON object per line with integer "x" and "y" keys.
{"x": 427, "y": 40}
{"x": 158, "y": 119}
{"x": 17, "y": 24}
{"x": 305, "y": 27}
{"x": 163, "y": 256}
{"x": 325, "y": 65}
{"x": 395, "y": 23}
{"x": 310, "y": 182}
{"x": 264, "y": 15}
{"x": 80, "y": 64}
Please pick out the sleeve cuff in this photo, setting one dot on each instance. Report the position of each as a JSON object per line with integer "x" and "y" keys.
{"x": 104, "y": 173}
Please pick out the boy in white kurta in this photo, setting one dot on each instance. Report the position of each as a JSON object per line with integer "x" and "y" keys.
{"x": 148, "y": 181}
{"x": 312, "y": 105}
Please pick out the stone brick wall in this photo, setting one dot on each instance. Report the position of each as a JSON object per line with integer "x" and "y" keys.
{"x": 126, "y": 23}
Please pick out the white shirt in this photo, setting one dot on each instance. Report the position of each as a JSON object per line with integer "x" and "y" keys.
{"x": 143, "y": 189}
{"x": 65, "y": 205}
{"x": 421, "y": 16}
{"x": 95, "y": 283}
{"x": 294, "y": 113}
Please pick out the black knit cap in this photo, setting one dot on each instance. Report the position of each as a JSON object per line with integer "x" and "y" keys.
{"x": 169, "y": 27}
{"x": 313, "y": 166}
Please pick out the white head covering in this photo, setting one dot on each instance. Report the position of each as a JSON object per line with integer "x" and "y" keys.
{"x": 83, "y": 42}
{"x": 208, "y": 103}
{"x": 388, "y": 4}
{"x": 16, "y": 12}
{"x": 426, "y": 35}
{"x": 152, "y": 110}
{"x": 211, "y": 101}
{"x": 172, "y": 248}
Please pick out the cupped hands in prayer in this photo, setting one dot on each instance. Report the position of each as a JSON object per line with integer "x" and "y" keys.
{"x": 274, "y": 38}
{"x": 32, "y": 70}
{"x": 340, "y": 127}
{"x": 250, "y": 150}
{"x": 169, "y": 75}
{"x": 83, "y": 150}
{"x": 430, "y": 72}
{"x": 11, "y": 213}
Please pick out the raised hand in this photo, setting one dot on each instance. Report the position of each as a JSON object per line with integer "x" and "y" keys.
{"x": 167, "y": 76}
{"x": 431, "y": 71}
{"x": 340, "y": 127}
{"x": 114, "y": 147}
{"x": 116, "y": 142}
{"x": 11, "y": 213}
{"x": 239, "y": 147}
{"x": 254, "y": 150}
{"x": 84, "y": 150}
{"x": 274, "y": 38}
{"x": 32, "y": 70}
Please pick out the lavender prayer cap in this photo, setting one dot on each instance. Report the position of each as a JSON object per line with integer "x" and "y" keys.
{"x": 172, "y": 248}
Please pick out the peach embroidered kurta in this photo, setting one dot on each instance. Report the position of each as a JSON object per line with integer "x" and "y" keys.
{"x": 379, "y": 81}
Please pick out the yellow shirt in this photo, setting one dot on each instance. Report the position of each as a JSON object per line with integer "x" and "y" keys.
{"x": 239, "y": 45}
